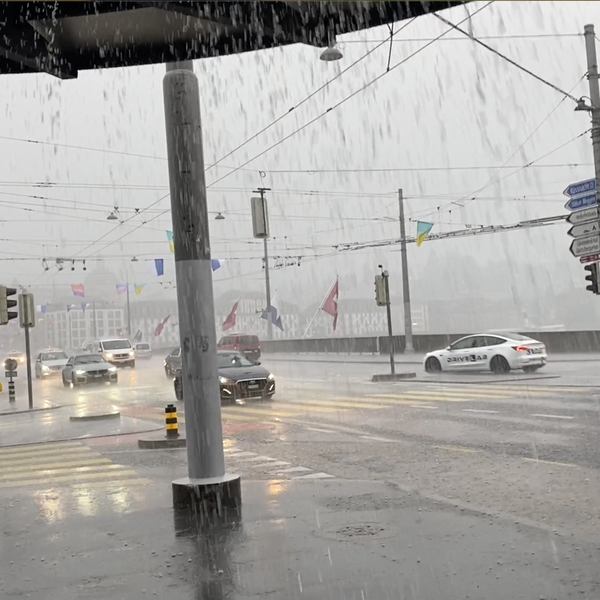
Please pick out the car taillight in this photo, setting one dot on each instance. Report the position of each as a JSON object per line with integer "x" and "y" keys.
{"x": 520, "y": 348}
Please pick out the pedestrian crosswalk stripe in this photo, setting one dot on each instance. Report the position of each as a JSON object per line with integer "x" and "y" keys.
{"x": 39, "y": 448}
{"x": 49, "y": 464}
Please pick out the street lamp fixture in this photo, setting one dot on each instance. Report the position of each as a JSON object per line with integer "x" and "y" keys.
{"x": 112, "y": 216}
{"x": 219, "y": 217}
{"x": 134, "y": 259}
{"x": 331, "y": 54}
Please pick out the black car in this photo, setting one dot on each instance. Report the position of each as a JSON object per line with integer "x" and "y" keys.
{"x": 239, "y": 379}
{"x": 173, "y": 363}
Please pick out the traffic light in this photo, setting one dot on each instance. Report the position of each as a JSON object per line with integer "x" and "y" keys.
{"x": 381, "y": 296}
{"x": 6, "y": 304}
{"x": 592, "y": 278}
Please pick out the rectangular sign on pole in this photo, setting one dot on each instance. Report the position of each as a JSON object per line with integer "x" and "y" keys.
{"x": 584, "y": 230}
{"x": 585, "y": 246}
{"x": 585, "y": 215}
{"x": 579, "y": 202}
{"x": 580, "y": 187}
{"x": 589, "y": 258}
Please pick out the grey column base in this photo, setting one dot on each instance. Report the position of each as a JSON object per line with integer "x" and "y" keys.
{"x": 207, "y": 502}
{"x": 393, "y": 377}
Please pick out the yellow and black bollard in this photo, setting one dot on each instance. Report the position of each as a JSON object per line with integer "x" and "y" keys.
{"x": 171, "y": 421}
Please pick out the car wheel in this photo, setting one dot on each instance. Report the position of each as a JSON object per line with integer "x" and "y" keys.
{"x": 530, "y": 369}
{"x": 65, "y": 382}
{"x": 37, "y": 375}
{"x": 73, "y": 383}
{"x": 132, "y": 364}
{"x": 499, "y": 364}
{"x": 433, "y": 365}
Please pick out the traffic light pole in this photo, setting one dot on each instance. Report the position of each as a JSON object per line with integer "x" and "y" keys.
{"x": 28, "y": 358}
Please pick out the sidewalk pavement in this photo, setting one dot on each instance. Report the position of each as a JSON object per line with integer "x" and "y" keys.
{"x": 405, "y": 359}
{"x": 309, "y": 540}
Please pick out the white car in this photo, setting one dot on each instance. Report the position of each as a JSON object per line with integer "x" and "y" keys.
{"x": 50, "y": 362}
{"x": 499, "y": 353}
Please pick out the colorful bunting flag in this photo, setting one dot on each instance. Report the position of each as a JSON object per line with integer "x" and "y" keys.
{"x": 121, "y": 288}
{"x": 423, "y": 229}
{"x": 171, "y": 242}
{"x": 78, "y": 289}
{"x": 138, "y": 287}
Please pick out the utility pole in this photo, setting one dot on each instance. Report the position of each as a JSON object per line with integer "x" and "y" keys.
{"x": 382, "y": 298}
{"x": 207, "y": 492}
{"x": 408, "y": 336}
{"x": 128, "y": 307}
{"x": 264, "y": 233}
{"x": 592, "y": 75}
{"x": 94, "y": 324}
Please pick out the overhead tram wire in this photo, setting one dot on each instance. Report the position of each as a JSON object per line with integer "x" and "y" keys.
{"x": 311, "y": 95}
{"x": 506, "y": 58}
{"x": 344, "y": 100}
{"x": 495, "y": 179}
{"x": 239, "y": 167}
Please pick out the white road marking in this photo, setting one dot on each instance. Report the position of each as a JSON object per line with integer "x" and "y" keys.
{"x": 376, "y": 439}
{"x": 278, "y": 463}
{"x": 314, "y": 476}
{"x": 292, "y": 470}
{"x": 553, "y": 416}
{"x": 423, "y": 406}
{"x": 475, "y": 410}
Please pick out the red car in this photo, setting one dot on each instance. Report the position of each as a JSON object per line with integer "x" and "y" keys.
{"x": 244, "y": 343}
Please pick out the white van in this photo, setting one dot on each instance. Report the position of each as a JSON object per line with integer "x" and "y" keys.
{"x": 117, "y": 352}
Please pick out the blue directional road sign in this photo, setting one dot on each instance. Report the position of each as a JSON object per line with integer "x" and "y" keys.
{"x": 579, "y": 188}
{"x": 582, "y": 202}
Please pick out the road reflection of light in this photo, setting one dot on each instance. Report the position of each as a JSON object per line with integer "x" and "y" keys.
{"x": 50, "y": 503}
{"x": 87, "y": 502}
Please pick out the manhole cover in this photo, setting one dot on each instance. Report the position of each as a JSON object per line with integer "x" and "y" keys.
{"x": 363, "y": 529}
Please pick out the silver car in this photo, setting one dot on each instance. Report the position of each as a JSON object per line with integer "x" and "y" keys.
{"x": 50, "y": 362}
{"x": 82, "y": 369}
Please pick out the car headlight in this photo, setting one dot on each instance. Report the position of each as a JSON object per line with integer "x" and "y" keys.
{"x": 131, "y": 353}
{"x": 113, "y": 369}
{"x": 79, "y": 372}
{"x": 22, "y": 359}
{"x": 109, "y": 355}
{"x": 45, "y": 368}
{"x": 271, "y": 377}
{"x": 224, "y": 380}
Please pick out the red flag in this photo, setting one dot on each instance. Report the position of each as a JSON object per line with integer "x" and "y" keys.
{"x": 330, "y": 304}
{"x": 230, "y": 321}
{"x": 161, "y": 326}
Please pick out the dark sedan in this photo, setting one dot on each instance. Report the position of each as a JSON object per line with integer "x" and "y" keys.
{"x": 239, "y": 379}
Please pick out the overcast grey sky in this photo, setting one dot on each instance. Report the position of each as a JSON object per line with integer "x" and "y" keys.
{"x": 453, "y": 105}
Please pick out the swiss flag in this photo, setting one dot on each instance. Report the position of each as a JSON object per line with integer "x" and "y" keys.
{"x": 330, "y": 304}
{"x": 229, "y": 322}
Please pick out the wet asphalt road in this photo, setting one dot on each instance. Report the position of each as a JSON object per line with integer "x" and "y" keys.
{"x": 519, "y": 450}
{"x": 500, "y": 442}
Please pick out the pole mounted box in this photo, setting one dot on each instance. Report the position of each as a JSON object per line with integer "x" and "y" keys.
{"x": 26, "y": 310}
{"x": 260, "y": 217}
{"x": 6, "y": 303}
{"x": 381, "y": 295}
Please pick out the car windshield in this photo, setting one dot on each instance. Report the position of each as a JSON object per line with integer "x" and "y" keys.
{"x": 116, "y": 345}
{"x": 233, "y": 360}
{"x": 53, "y": 356}
{"x": 143, "y": 346}
{"x": 86, "y": 359}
